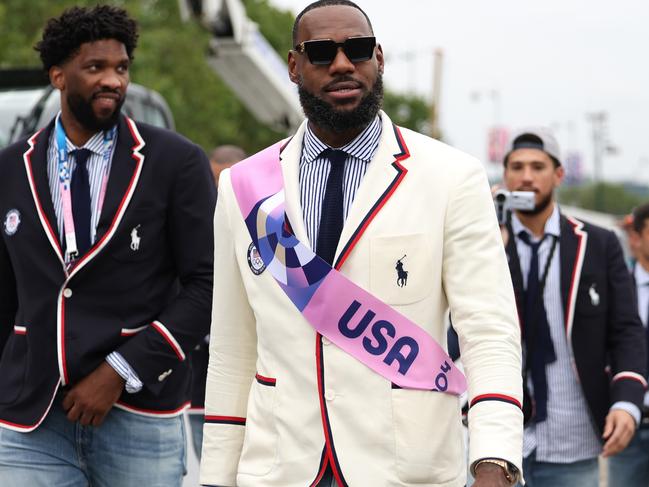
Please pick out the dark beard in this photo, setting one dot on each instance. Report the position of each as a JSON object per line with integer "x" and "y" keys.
{"x": 324, "y": 115}
{"x": 538, "y": 208}
{"x": 82, "y": 111}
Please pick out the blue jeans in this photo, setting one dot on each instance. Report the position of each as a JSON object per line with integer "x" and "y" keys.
{"x": 630, "y": 467}
{"x": 584, "y": 473}
{"x": 196, "y": 422}
{"x": 127, "y": 450}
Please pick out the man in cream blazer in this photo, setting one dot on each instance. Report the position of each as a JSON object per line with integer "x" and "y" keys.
{"x": 286, "y": 407}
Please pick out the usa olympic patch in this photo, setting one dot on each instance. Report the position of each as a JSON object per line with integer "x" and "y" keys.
{"x": 12, "y": 222}
{"x": 255, "y": 262}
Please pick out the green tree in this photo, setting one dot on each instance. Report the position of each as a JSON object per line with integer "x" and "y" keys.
{"x": 606, "y": 197}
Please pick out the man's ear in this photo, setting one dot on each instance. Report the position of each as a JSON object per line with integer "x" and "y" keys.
{"x": 57, "y": 78}
{"x": 292, "y": 68}
{"x": 379, "y": 58}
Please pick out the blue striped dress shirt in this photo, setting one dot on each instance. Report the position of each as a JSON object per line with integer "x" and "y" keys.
{"x": 314, "y": 172}
{"x": 95, "y": 165}
{"x": 568, "y": 434}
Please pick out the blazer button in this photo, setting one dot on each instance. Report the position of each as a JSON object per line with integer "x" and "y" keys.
{"x": 330, "y": 395}
{"x": 67, "y": 292}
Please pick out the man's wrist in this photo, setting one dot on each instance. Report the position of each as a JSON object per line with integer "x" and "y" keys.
{"x": 509, "y": 471}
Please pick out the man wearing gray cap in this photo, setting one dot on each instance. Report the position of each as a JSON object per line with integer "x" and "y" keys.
{"x": 583, "y": 341}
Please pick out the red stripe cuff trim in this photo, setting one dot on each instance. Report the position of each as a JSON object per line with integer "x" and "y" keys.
{"x": 20, "y": 330}
{"x": 266, "y": 381}
{"x": 495, "y": 397}
{"x": 170, "y": 339}
{"x": 631, "y": 375}
{"x": 225, "y": 420}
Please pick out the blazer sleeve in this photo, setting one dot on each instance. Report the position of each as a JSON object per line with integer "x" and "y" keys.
{"x": 479, "y": 291}
{"x": 233, "y": 350}
{"x": 184, "y": 321}
{"x": 625, "y": 333}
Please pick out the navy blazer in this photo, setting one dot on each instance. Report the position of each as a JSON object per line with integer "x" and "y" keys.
{"x": 605, "y": 337}
{"x": 149, "y": 300}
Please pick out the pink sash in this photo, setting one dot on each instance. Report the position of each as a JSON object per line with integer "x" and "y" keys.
{"x": 352, "y": 318}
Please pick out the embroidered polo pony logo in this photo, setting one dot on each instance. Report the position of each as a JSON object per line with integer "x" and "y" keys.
{"x": 135, "y": 239}
{"x": 402, "y": 275}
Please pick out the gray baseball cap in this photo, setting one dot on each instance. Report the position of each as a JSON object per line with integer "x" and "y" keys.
{"x": 540, "y": 138}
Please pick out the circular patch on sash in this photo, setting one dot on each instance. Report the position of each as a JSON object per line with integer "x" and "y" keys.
{"x": 12, "y": 222}
{"x": 255, "y": 263}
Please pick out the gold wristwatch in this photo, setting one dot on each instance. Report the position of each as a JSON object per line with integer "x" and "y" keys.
{"x": 511, "y": 473}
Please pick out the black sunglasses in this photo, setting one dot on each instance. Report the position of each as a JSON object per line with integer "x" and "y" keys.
{"x": 324, "y": 51}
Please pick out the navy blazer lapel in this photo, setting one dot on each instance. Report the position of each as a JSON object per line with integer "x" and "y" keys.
{"x": 515, "y": 268}
{"x": 573, "y": 250}
{"x": 121, "y": 173}
{"x": 125, "y": 171}
{"x": 568, "y": 251}
{"x": 35, "y": 159}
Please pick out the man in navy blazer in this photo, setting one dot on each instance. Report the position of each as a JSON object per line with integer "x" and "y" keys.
{"x": 583, "y": 340}
{"x": 106, "y": 251}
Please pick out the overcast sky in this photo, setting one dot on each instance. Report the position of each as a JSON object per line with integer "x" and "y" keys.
{"x": 549, "y": 62}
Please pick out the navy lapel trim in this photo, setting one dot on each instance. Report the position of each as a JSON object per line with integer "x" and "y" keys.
{"x": 401, "y": 173}
{"x": 42, "y": 211}
{"x": 573, "y": 250}
{"x": 135, "y": 176}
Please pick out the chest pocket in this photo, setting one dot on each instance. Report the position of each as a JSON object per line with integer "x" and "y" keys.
{"x": 139, "y": 235}
{"x": 401, "y": 268}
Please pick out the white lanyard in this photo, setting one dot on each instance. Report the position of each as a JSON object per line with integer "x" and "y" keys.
{"x": 71, "y": 250}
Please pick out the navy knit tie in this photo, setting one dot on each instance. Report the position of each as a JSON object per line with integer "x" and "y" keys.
{"x": 80, "y": 192}
{"x": 540, "y": 350}
{"x": 332, "y": 217}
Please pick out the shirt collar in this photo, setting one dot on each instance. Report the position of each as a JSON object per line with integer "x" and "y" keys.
{"x": 362, "y": 147}
{"x": 94, "y": 144}
{"x": 641, "y": 275}
{"x": 552, "y": 225}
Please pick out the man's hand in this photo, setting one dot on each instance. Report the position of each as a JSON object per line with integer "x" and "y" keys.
{"x": 618, "y": 431}
{"x": 90, "y": 400}
{"x": 490, "y": 475}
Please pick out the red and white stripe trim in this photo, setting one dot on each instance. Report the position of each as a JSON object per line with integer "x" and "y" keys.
{"x": 170, "y": 339}
{"x": 49, "y": 231}
{"x": 632, "y": 376}
{"x": 151, "y": 413}
{"x": 20, "y": 330}
{"x": 127, "y": 332}
{"x": 576, "y": 274}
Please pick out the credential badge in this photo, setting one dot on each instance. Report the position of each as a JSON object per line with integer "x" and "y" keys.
{"x": 255, "y": 262}
{"x": 12, "y": 222}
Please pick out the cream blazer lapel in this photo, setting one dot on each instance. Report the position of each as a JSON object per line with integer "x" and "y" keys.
{"x": 290, "y": 161}
{"x": 382, "y": 177}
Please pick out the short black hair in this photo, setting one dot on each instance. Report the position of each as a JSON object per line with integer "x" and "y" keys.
{"x": 64, "y": 35}
{"x": 531, "y": 141}
{"x": 326, "y": 3}
{"x": 640, "y": 216}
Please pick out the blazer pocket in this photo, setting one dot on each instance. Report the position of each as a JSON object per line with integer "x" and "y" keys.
{"x": 401, "y": 268}
{"x": 13, "y": 366}
{"x": 259, "y": 453}
{"x": 425, "y": 454}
